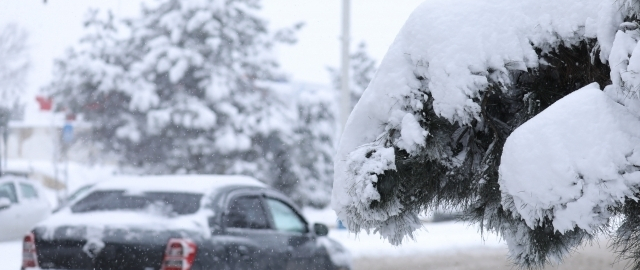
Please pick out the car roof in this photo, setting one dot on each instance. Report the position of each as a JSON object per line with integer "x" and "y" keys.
{"x": 14, "y": 178}
{"x": 200, "y": 184}
{"x": 18, "y": 173}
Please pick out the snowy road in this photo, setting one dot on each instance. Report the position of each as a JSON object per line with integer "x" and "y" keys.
{"x": 440, "y": 246}
{"x": 449, "y": 246}
{"x": 434, "y": 239}
{"x": 11, "y": 255}
{"x": 589, "y": 258}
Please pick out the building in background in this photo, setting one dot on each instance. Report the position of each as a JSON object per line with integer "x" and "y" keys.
{"x": 46, "y": 145}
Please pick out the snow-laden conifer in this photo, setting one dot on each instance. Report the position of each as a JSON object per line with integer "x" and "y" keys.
{"x": 456, "y": 109}
{"x": 188, "y": 87}
{"x": 14, "y": 68}
{"x": 361, "y": 71}
{"x": 315, "y": 132}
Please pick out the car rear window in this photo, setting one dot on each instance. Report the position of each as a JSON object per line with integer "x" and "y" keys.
{"x": 165, "y": 203}
{"x": 28, "y": 191}
{"x": 8, "y": 190}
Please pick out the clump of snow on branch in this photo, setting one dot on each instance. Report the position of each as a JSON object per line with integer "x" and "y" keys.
{"x": 572, "y": 162}
{"x": 624, "y": 61}
{"x": 412, "y": 136}
{"x": 365, "y": 164}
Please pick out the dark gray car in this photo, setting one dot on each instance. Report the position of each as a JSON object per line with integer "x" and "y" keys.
{"x": 182, "y": 222}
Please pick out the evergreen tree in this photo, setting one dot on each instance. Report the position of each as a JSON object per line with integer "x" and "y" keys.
{"x": 14, "y": 67}
{"x": 184, "y": 88}
{"x": 314, "y": 149}
{"x": 362, "y": 69}
{"x": 319, "y": 131}
{"x": 453, "y": 160}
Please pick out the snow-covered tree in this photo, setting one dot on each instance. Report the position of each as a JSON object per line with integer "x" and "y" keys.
{"x": 186, "y": 87}
{"x": 314, "y": 150}
{"x": 492, "y": 107}
{"x": 362, "y": 69}
{"x": 322, "y": 112}
{"x": 14, "y": 67}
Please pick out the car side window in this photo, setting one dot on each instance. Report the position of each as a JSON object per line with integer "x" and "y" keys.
{"x": 285, "y": 218}
{"x": 28, "y": 191}
{"x": 246, "y": 212}
{"x": 8, "y": 190}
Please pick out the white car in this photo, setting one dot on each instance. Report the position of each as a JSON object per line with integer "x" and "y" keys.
{"x": 22, "y": 206}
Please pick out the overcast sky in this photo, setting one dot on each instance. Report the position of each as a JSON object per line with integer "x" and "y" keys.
{"x": 57, "y": 25}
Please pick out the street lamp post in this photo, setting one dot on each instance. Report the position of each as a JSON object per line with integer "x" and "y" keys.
{"x": 345, "y": 99}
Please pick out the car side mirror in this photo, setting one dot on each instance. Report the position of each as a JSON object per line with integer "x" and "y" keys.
{"x": 320, "y": 229}
{"x": 214, "y": 226}
{"x": 4, "y": 203}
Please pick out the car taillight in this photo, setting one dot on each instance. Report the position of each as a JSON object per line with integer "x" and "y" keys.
{"x": 29, "y": 256}
{"x": 179, "y": 255}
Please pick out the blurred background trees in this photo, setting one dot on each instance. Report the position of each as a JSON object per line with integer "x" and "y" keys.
{"x": 14, "y": 68}
{"x": 362, "y": 69}
{"x": 14, "y": 65}
{"x": 193, "y": 87}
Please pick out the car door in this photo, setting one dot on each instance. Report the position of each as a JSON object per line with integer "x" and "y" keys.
{"x": 12, "y": 217}
{"x": 254, "y": 245}
{"x": 35, "y": 207}
{"x": 293, "y": 232}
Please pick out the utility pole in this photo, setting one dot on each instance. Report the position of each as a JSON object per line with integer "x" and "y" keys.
{"x": 345, "y": 100}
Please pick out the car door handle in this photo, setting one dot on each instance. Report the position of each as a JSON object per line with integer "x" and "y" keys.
{"x": 243, "y": 252}
{"x": 289, "y": 251}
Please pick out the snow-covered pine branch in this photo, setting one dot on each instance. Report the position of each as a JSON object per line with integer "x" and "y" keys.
{"x": 456, "y": 106}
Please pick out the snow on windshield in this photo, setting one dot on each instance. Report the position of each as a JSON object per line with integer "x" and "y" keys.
{"x": 164, "y": 203}
{"x": 104, "y": 209}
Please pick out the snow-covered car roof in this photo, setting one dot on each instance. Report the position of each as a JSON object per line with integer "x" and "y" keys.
{"x": 177, "y": 183}
{"x": 12, "y": 177}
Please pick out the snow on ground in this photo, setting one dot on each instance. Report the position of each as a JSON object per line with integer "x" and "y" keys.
{"x": 590, "y": 257}
{"x": 325, "y": 216}
{"x": 11, "y": 255}
{"x": 433, "y": 238}
{"x": 441, "y": 238}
